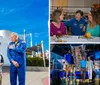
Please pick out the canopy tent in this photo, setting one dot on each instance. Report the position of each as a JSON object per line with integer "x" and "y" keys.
{"x": 36, "y": 48}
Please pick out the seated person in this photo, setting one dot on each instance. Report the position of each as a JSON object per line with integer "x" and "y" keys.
{"x": 93, "y": 28}
{"x": 56, "y": 26}
{"x": 77, "y": 24}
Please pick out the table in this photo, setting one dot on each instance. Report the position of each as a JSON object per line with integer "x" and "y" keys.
{"x": 71, "y": 39}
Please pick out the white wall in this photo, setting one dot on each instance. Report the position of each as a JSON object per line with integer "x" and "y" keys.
{"x": 83, "y": 5}
{"x": 82, "y": 2}
{"x": 91, "y": 2}
{"x": 75, "y": 2}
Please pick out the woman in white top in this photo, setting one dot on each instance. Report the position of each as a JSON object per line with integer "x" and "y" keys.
{"x": 1, "y": 63}
{"x": 89, "y": 67}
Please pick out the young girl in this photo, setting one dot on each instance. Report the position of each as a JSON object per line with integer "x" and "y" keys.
{"x": 1, "y": 63}
{"x": 56, "y": 26}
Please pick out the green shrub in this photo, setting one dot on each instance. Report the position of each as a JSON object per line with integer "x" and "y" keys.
{"x": 36, "y": 61}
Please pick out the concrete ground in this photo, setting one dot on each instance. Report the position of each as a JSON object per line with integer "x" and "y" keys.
{"x": 32, "y": 78}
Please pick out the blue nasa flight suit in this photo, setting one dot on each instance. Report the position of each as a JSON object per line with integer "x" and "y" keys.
{"x": 17, "y": 54}
{"x": 76, "y": 26}
{"x": 69, "y": 58}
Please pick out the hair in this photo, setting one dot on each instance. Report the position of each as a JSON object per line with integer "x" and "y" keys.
{"x": 81, "y": 12}
{"x": 15, "y": 34}
{"x": 96, "y": 15}
{"x": 56, "y": 13}
{"x": 88, "y": 57}
{"x": 83, "y": 58}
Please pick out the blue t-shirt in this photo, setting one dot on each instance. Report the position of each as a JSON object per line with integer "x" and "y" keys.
{"x": 76, "y": 26}
{"x": 83, "y": 63}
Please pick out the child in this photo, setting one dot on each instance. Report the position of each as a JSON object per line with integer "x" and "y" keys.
{"x": 1, "y": 63}
{"x": 72, "y": 75}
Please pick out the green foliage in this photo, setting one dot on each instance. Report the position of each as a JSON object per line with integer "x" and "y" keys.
{"x": 36, "y": 61}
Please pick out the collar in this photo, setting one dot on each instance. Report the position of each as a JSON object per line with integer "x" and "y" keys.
{"x": 78, "y": 20}
{"x": 17, "y": 41}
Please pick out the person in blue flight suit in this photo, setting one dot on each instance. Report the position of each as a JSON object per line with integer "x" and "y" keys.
{"x": 69, "y": 58}
{"x": 16, "y": 55}
{"x": 77, "y": 24}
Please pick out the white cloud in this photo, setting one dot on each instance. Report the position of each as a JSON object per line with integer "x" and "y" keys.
{"x": 8, "y": 11}
{"x": 42, "y": 34}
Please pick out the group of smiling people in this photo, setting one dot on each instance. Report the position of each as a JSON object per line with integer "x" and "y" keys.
{"x": 79, "y": 25}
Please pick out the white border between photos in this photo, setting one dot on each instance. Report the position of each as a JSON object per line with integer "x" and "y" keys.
{"x": 49, "y": 41}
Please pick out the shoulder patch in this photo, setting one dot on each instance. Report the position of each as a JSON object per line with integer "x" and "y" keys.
{"x": 23, "y": 41}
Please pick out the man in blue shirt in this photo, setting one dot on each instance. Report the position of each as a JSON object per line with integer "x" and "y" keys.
{"x": 83, "y": 63}
{"x": 77, "y": 24}
{"x": 16, "y": 55}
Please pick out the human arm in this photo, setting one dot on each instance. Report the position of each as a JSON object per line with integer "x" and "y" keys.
{"x": 68, "y": 23}
{"x": 20, "y": 49}
{"x": 10, "y": 58}
{"x": 85, "y": 26}
{"x": 2, "y": 60}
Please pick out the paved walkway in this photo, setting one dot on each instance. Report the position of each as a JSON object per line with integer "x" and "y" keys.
{"x": 32, "y": 78}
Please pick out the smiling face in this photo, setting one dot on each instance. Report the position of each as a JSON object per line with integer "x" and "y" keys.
{"x": 61, "y": 16}
{"x": 89, "y": 58}
{"x": 14, "y": 38}
{"x": 57, "y": 15}
{"x": 90, "y": 18}
{"x": 78, "y": 16}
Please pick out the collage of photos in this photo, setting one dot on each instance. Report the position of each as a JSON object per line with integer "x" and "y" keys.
{"x": 49, "y": 42}
{"x": 24, "y": 54}
{"x": 75, "y": 42}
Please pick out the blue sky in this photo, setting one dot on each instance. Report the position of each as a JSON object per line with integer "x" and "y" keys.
{"x": 31, "y": 15}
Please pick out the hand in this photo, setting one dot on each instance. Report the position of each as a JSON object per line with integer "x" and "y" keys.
{"x": 54, "y": 37}
{"x": 11, "y": 47}
{"x": 15, "y": 63}
{"x": 1, "y": 64}
{"x": 84, "y": 29}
